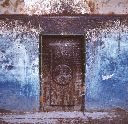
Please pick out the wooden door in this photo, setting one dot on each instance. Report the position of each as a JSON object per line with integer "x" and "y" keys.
{"x": 61, "y": 72}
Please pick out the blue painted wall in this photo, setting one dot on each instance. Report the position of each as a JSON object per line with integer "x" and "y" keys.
{"x": 106, "y": 63}
{"x": 19, "y": 77}
{"x": 107, "y": 71}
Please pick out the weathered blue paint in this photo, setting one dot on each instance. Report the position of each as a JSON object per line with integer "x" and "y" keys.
{"x": 106, "y": 60}
{"x": 19, "y": 79}
{"x": 107, "y": 72}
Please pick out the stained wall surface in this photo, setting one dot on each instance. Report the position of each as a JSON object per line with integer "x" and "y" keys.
{"x": 59, "y": 6}
{"x": 106, "y": 46}
{"x": 106, "y": 58}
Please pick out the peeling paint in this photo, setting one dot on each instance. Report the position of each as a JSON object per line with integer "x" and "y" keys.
{"x": 107, "y": 48}
{"x": 11, "y": 7}
{"x": 63, "y": 7}
{"x": 19, "y": 50}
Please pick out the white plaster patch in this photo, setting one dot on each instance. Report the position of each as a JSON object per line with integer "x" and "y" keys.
{"x": 106, "y": 77}
{"x": 55, "y": 6}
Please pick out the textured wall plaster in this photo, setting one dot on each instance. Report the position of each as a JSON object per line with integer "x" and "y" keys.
{"x": 11, "y": 6}
{"x": 106, "y": 85}
{"x": 111, "y": 6}
{"x": 19, "y": 82}
{"x": 106, "y": 58}
{"x": 60, "y": 6}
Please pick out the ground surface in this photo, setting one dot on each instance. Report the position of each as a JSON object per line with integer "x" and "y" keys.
{"x": 65, "y": 118}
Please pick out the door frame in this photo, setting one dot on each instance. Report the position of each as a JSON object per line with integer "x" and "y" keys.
{"x": 83, "y": 88}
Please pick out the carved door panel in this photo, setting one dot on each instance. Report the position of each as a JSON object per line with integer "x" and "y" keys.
{"x": 62, "y": 71}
